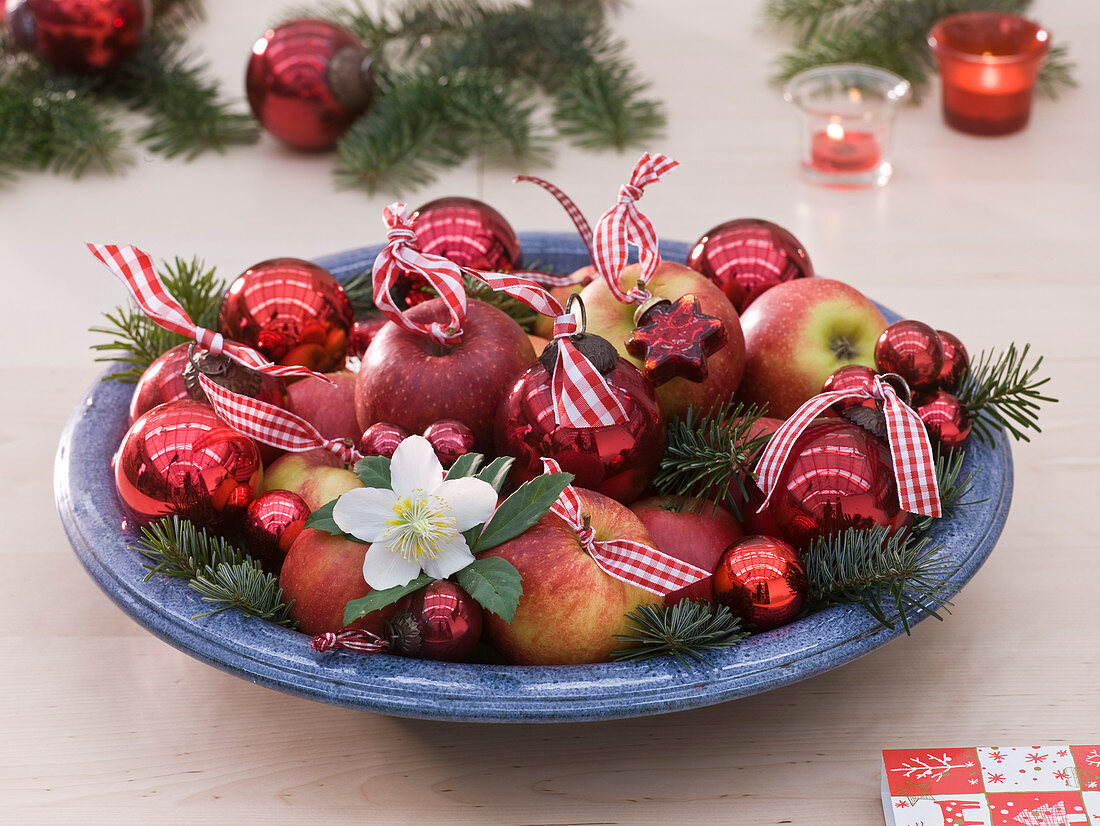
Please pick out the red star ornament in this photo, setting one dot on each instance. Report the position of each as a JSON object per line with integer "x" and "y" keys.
{"x": 674, "y": 338}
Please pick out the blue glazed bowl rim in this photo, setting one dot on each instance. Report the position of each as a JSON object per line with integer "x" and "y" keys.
{"x": 281, "y": 659}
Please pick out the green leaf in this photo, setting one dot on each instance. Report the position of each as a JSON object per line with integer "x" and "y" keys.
{"x": 522, "y": 509}
{"x": 321, "y": 520}
{"x": 374, "y": 472}
{"x": 494, "y": 583}
{"x": 496, "y": 472}
{"x": 359, "y": 608}
{"x": 465, "y": 465}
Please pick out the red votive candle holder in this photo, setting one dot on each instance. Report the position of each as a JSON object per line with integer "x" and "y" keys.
{"x": 846, "y": 122}
{"x": 988, "y": 64}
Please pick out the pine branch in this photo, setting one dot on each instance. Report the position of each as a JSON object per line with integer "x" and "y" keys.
{"x": 603, "y": 107}
{"x": 888, "y": 575}
{"x": 683, "y": 630}
{"x": 954, "y": 488}
{"x": 360, "y": 292}
{"x": 1056, "y": 73}
{"x": 999, "y": 390}
{"x": 220, "y": 572}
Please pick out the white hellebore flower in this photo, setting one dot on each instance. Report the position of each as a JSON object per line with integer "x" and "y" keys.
{"x": 417, "y": 526}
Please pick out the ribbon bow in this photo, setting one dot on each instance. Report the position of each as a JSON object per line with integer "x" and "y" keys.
{"x": 135, "y": 269}
{"x": 270, "y": 424}
{"x": 914, "y": 468}
{"x": 632, "y": 562}
{"x": 625, "y": 224}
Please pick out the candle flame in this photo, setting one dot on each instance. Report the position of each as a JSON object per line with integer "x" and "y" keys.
{"x": 835, "y": 131}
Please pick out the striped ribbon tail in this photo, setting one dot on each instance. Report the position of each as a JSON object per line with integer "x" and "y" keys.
{"x": 574, "y": 212}
{"x": 350, "y": 639}
{"x": 522, "y": 289}
{"x": 581, "y": 395}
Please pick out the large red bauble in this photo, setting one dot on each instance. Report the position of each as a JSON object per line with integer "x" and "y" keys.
{"x": 79, "y": 36}
{"x": 272, "y": 523}
{"x": 837, "y": 476}
{"x": 292, "y": 311}
{"x": 449, "y": 621}
{"x": 946, "y": 419}
{"x": 747, "y": 256}
{"x": 308, "y": 81}
{"x": 913, "y": 350}
{"x": 762, "y": 581}
{"x": 406, "y": 378}
{"x": 468, "y": 232}
{"x": 956, "y": 361}
{"x": 180, "y": 458}
{"x": 161, "y": 382}
{"x": 616, "y": 460}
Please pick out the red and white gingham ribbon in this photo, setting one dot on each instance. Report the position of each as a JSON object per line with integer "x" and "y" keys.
{"x": 625, "y": 224}
{"x": 581, "y": 395}
{"x": 136, "y": 270}
{"x": 632, "y": 562}
{"x": 352, "y": 639}
{"x": 574, "y": 212}
{"x": 914, "y": 467}
{"x": 270, "y": 424}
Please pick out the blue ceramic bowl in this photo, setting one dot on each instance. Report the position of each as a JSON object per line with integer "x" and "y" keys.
{"x": 281, "y": 659}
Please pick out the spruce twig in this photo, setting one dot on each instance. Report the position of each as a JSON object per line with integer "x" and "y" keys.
{"x": 954, "y": 487}
{"x": 683, "y": 630}
{"x": 603, "y": 107}
{"x": 1000, "y": 390}
{"x": 359, "y": 289}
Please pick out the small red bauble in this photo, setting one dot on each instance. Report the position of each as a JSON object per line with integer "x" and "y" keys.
{"x": 837, "y": 476}
{"x": 913, "y": 350}
{"x": 308, "y": 81}
{"x": 292, "y": 311}
{"x": 849, "y": 377}
{"x": 450, "y": 439}
{"x": 616, "y": 460}
{"x": 272, "y": 523}
{"x": 79, "y": 36}
{"x": 468, "y": 232}
{"x": 956, "y": 361}
{"x": 448, "y": 619}
{"x": 748, "y": 256}
{"x": 362, "y": 334}
{"x": 945, "y": 417}
{"x": 180, "y": 458}
{"x": 382, "y": 439}
{"x": 161, "y": 382}
{"x": 762, "y": 581}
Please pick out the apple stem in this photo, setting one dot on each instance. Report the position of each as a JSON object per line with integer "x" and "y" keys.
{"x": 586, "y": 520}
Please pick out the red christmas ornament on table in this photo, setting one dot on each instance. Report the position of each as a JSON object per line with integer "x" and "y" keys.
{"x": 913, "y": 350}
{"x": 468, "y": 232}
{"x": 382, "y": 439}
{"x": 79, "y": 36}
{"x": 674, "y": 338}
{"x": 450, "y": 439}
{"x": 180, "y": 458}
{"x": 292, "y": 311}
{"x": 748, "y": 256}
{"x": 448, "y": 622}
{"x": 956, "y": 361}
{"x": 849, "y": 377}
{"x": 161, "y": 382}
{"x": 946, "y": 418}
{"x": 362, "y": 334}
{"x": 272, "y": 523}
{"x": 762, "y": 581}
{"x": 308, "y": 81}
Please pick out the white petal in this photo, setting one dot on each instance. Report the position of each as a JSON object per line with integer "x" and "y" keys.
{"x": 383, "y": 569}
{"x": 415, "y": 467}
{"x": 453, "y": 556}
{"x": 471, "y": 501}
{"x": 363, "y": 512}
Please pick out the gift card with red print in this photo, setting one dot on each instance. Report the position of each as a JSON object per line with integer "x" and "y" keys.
{"x": 992, "y": 786}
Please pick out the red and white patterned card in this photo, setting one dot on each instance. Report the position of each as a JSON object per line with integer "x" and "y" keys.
{"x": 993, "y": 786}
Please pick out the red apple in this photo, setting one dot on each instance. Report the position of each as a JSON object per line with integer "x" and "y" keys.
{"x": 317, "y": 476}
{"x": 570, "y": 609}
{"x": 321, "y": 574}
{"x": 408, "y": 379}
{"x": 799, "y": 332}
{"x": 328, "y": 407}
{"x": 614, "y": 321}
{"x": 695, "y": 532}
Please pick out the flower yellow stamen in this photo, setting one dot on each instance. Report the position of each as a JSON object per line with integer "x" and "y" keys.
{"x": 423, "y": 523}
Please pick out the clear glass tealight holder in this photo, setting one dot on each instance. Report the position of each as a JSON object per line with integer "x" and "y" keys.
{"x": 846, "y": 119}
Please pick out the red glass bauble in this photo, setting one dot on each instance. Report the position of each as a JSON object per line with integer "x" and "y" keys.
{"x": 762, "y": 581}
{"x": 913, "y": 350}
{"x": 290, "y": 310}
{"x": 616, "y": 460}
{"x": 956, "y": 361}
{"x": 450, "y": 439}
{"x": 837, "y": 476}
{"x": 946, "y": 419}
{"x": 448, "y": 619}
{"x": 849, "y": 377}
{"x": 308, "y": 81}
{"x": 161, "y": 382}
{"x": 748, "y": 256}
{"x": 180, "y": 458}
{"x": 674, "y": 338}
{"x": 79, "y": 36}
{"x": 382, "y": 439}
{"x": 468, "y": 232}
{"x": 362, "y": 334}
{"x": 272, "y": 523}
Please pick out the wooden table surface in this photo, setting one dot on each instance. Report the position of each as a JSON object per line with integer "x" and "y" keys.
{"x": 994, "y": 239}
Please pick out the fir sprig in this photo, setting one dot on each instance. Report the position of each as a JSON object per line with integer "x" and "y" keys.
{"x": 223, "y": 574}
{"x": 137, "y": 340}
{"x": 1001, "y": 390}
{"x": 954, "y": 487}
{"x": 683, "y": 630}
{"x": 359, "y": 289}
{"x": 605, "y": 107}
{"x": 711, "y": 456}
{"x": 890, "y": 575}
